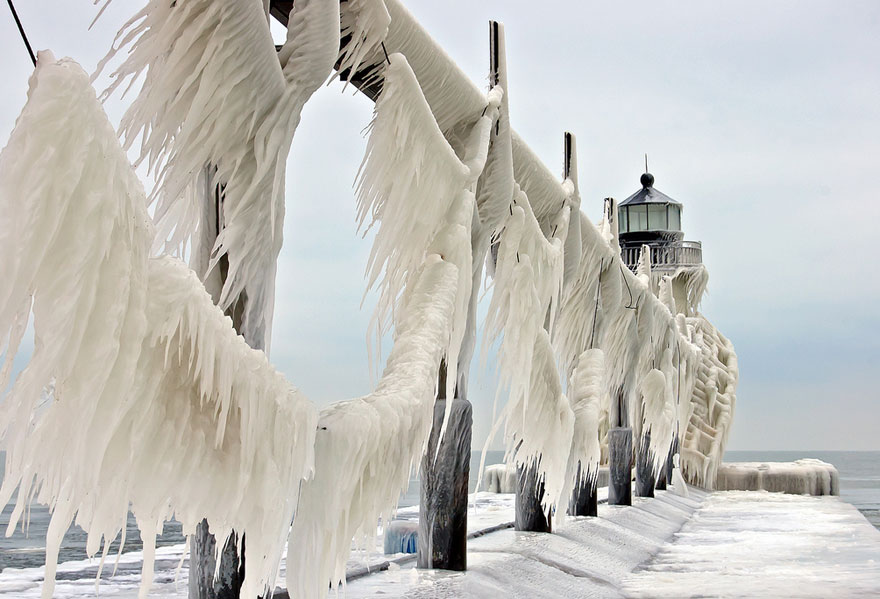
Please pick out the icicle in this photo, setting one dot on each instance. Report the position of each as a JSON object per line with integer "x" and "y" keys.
{"x": 659, "y": 416}
{"x": 539, "y": 426}
{"x": 365, "y": 27}
{"x": 587, "y": 393}
{"x": 528, "y": 284}
{"x": 408, "y": 182}
{"x": 665, "y": 294}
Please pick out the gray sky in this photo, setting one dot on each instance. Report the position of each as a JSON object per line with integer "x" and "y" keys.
{"x": 763, "y": 118}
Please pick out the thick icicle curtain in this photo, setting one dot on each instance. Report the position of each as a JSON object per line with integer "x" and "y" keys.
{"x": 158, "y": 404}
{"x": 217, "y": 96}
{"x": 537, "y": 418}
{"x": 421, "y": 195}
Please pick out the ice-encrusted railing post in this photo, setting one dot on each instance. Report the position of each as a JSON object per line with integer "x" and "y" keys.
{"x": 645, "y": 476}
{"x": 206, "y": 579}
{"x": 620, "y": 434}
{"x": 660, "y": 483}
{"x": 445, "y": 471}
{"x": 619, "y": 455}
{"x": 584, "y": 497}
{"x": 442, "y": 538}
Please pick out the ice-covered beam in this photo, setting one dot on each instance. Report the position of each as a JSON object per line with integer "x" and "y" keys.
{"x": 454, "y": 99}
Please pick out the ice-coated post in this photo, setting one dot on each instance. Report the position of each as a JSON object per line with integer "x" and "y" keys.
{"x": 644, "y": 468}
{"x": 584, "y": 499}
{"x": 530, "y": 513}
{"x": 672, "y": 451}
{"x": 620, "y": 466}
{"x": 442, "y": 537}
{"x": 206, "y": 579}
{"x": 660, "y": 485}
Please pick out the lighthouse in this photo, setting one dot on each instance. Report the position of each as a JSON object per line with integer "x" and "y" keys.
{"x": 650, "y": 217}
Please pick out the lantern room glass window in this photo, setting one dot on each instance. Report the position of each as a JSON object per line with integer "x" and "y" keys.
{"x": 657, "y": 217}
{"x": 623, "y": 221}
{"x": 674, "y": 218}
{"x": 638, "y": 218}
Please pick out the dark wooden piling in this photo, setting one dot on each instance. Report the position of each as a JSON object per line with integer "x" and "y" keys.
{"x": 620, "y": 466}
{"x": 442, "y": 537}
{"x": 645, "y": 478}
{"x": 584, "y": 499}
{"x": 669, "y": 465}
{"x": 660, "y": 485}
{"x": 530, "y": 513}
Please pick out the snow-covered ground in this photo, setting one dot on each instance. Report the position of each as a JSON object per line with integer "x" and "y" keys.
{"x": 723, "y": 544}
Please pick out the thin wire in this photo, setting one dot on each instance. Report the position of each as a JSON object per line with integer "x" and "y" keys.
{"x": 23, "y": 34}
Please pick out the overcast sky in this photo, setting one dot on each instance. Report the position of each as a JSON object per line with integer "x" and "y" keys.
{"x": 763, "y": 118}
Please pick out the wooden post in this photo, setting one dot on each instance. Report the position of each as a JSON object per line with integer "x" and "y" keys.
{"x": 584, "y": 499}
{"x": 660, "y": 485}
{"x": 620, "y": 466}
{"x": 672, "y": 451}
{"x": 442, "y": 537}
{"x": 619, "y": 453}
{"x": 644, "y": 467}
{"x": 530, "y": 513}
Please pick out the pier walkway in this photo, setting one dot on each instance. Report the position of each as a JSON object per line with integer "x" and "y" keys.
{"x": 721, "y": 544}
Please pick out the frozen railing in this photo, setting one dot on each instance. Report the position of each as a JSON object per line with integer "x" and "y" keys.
{"x": 667, "y": 256}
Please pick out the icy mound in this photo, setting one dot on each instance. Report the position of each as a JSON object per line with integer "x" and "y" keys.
{"x": 803, "y": 477}
{"x": 500, "y": 478}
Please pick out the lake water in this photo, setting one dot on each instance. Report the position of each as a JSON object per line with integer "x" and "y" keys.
{"x": 859, "y": 485}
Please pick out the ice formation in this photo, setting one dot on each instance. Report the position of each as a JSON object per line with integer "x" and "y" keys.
{"x": 149, "y": 374}
{"x": 807, "y": 476}
{"x": 586, "y": 391}
{"x": 537, "y": 417}
{"x": 141, "y": 358}
{"x": 711, "y": 403}
{"x": 364, "y": 24}
{"x": 217, "y": 96}
{"x": 659, "y": 415}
